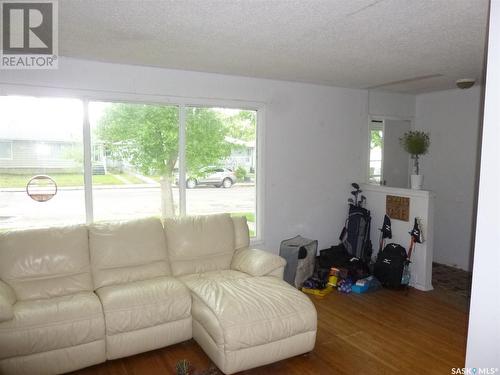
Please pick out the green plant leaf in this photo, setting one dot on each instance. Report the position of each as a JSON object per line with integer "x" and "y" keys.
{"x": 415, "y": 142}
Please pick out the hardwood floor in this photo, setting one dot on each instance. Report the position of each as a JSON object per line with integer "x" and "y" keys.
{"x": 386, "y": 332}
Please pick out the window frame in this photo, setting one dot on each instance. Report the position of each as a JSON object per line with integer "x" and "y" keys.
{"x": 382, "y": 118}
{"x": 380, "y": 127}
{"x": 182, "y": 103}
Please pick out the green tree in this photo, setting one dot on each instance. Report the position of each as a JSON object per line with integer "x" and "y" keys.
{"x": 206, "y": 141}
{"x": 147, "y": 136}
{"x": 242, "y": 125}
{"x": 376, "y": 139}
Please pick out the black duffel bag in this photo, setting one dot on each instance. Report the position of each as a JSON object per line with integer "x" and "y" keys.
{"x": 335, "y": 256}
{"x": 339, "y": 257}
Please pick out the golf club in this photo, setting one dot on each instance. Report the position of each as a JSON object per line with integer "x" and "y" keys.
{"x": 363, "y": 200}
{"x": 355, "y": 194}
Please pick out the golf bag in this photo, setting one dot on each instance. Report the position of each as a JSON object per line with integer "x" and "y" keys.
{"x": 356, "y": 233}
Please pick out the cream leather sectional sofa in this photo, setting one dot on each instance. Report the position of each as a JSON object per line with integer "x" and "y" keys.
{"x": 75, "y": 296}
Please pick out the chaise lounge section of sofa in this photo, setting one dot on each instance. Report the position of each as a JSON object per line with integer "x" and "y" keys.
{"x": 75, "y": 296}
{"x": 243, "y": 315}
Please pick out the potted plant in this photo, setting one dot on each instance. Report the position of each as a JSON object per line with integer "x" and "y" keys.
{"x": 416, "y": 143}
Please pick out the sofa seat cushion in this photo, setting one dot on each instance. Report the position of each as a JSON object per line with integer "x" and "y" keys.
{"x": 141, "y": 304}
{"x": 54, "y": 323}
{"x": 240, "y": 313}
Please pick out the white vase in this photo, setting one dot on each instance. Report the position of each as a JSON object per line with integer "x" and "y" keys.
{"x": 417, "y": 181}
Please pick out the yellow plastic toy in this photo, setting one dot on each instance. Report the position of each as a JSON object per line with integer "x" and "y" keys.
{"x": 318, "y": 293}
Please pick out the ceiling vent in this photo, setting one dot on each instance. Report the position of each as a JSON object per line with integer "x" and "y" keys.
{"x": 404, "y": 81}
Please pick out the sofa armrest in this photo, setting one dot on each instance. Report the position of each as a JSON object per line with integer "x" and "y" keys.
{"x": 257, "y": 262}
{"x": 7, "y": 301}
{"x": 278, "y": 272}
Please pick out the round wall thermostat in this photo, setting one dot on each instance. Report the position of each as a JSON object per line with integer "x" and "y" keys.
{"x": 41, "y": 188}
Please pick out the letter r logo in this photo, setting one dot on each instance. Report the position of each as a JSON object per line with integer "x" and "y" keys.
{"x": 27, "y": 28}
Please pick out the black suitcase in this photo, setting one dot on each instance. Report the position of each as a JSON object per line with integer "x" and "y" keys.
{"x": 390, "y": 264}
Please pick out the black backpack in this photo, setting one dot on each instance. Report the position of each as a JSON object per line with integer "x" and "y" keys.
{"x": 390, "y": 264}
{"x": 356, "y": 234}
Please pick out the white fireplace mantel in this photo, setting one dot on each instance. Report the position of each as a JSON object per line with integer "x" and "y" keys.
{"x": 421, "y": 206}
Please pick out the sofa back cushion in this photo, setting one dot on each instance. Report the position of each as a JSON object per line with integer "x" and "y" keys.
{"x": 198, "y": 244}
{"x": 46, "y": 262}
{"x": 241, "y": 232}
{"x": 125, "y": 251}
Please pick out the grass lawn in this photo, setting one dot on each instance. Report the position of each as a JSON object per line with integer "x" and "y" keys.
{"x": 249, "y": 215}
{"x": 130, "y": 178}
{"x": 65, "y": 179}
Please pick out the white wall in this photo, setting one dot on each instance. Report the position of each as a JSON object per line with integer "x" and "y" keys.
{"x": 314, "y": 135}
{"x": 453, "y": 119}
{"x": 382, "y": 103}
{"x": 395, "y": 171}
{"x": 484, "y": 320}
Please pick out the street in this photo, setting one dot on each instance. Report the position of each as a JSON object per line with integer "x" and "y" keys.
{"x": 17, "y": 209}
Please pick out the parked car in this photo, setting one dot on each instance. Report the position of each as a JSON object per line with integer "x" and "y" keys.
{"x": 216, "y": 176}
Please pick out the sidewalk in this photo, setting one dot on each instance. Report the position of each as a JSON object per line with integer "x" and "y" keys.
{"x": 127, "y": 186}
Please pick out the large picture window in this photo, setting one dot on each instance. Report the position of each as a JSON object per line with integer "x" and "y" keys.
{"x": 143, "y": 159}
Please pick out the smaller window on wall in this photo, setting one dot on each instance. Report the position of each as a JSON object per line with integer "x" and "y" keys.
{"x": 376, "y": 151}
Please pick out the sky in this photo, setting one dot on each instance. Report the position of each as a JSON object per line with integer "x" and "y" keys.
{"x": 40, "y": 118}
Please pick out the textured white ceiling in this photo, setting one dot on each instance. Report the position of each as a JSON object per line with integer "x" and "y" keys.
{"x": 401, "y": 45}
